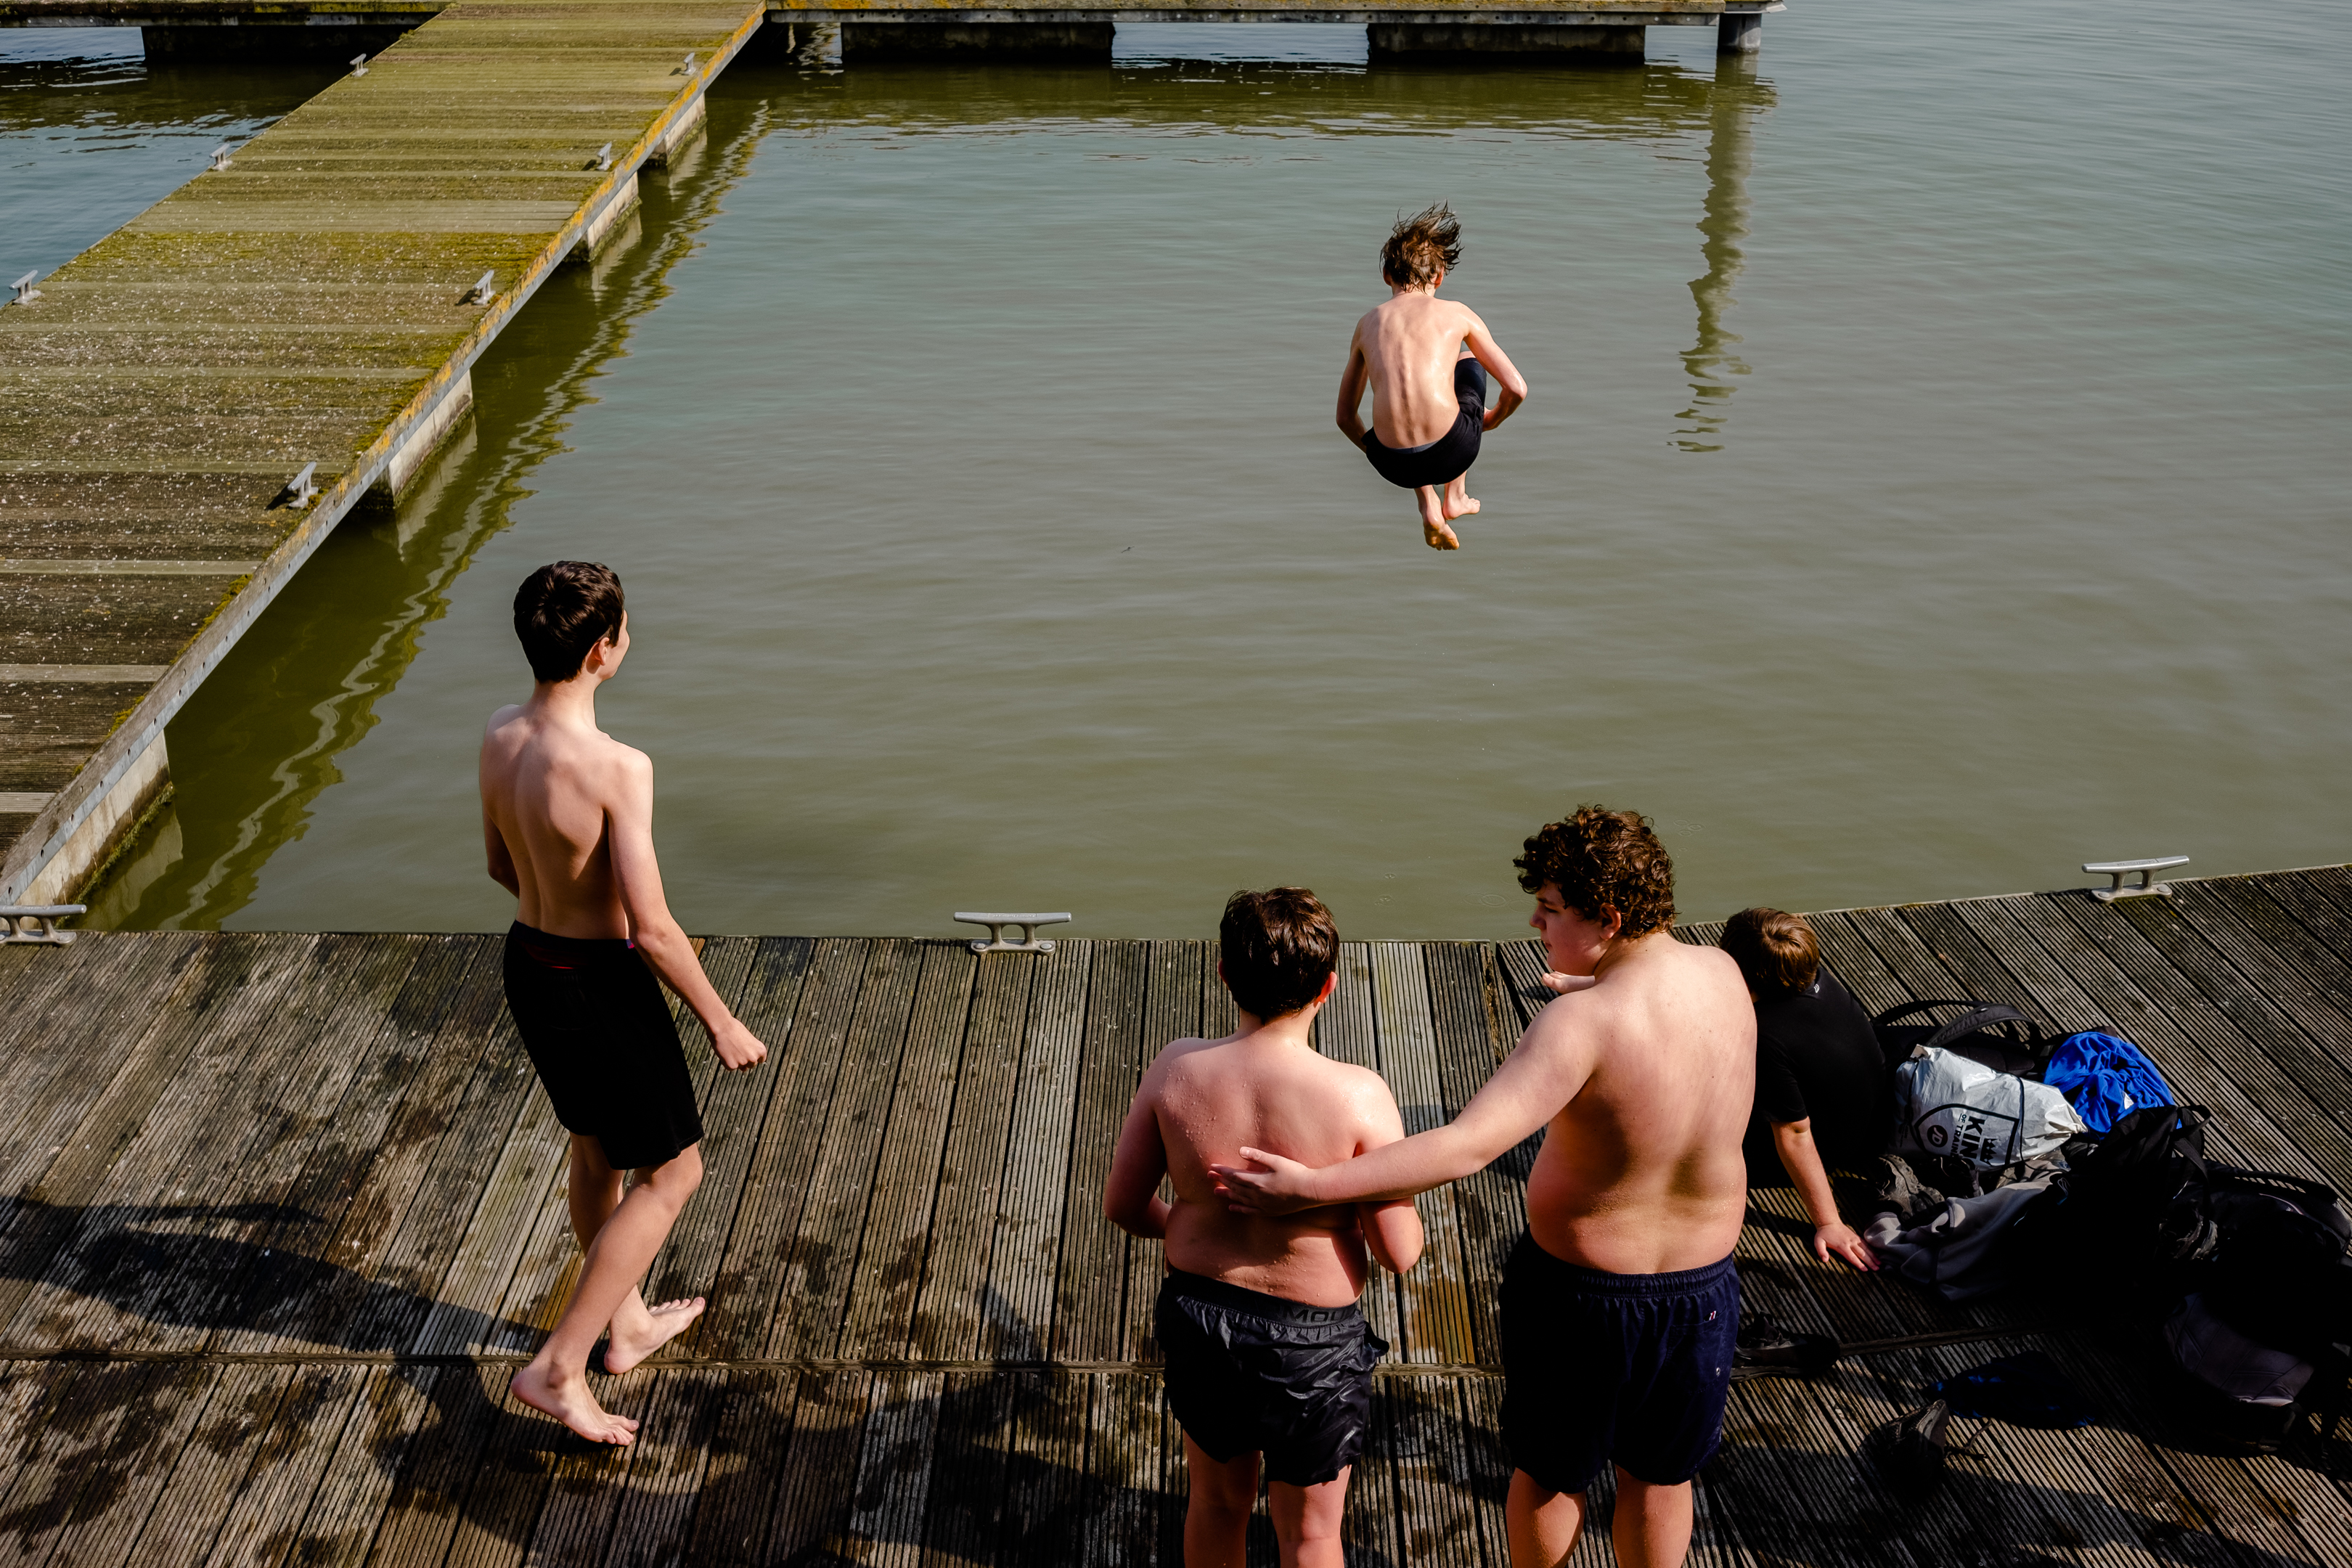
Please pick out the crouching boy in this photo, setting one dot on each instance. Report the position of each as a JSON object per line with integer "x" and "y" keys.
{"x": 1268, "y": 1352}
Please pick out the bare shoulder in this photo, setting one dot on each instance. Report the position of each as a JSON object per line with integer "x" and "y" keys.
{"x": 502, "y": 717}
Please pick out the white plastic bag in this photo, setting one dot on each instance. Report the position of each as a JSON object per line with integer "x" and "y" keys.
{"x": 1946, "y": 1104}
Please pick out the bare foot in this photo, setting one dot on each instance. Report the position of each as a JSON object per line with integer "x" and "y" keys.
{"x": 1438, "y": 536}
{"x": 1461, "y": 508}
{"x": 634, "y": 1341}
{"x": 571, "y": 1403}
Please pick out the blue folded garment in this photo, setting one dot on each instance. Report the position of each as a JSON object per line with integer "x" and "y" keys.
{"x": 2104, "y": 1077}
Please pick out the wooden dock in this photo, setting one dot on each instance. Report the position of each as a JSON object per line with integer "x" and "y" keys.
{"x": 281, "y": 1212}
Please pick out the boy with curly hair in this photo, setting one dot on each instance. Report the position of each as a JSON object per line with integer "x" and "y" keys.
{"x": 1421, "y": 356}
{"x": 1620, "y": 1306}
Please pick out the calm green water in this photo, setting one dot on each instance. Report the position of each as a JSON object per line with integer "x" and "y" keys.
{"x": 1933, "y": 479}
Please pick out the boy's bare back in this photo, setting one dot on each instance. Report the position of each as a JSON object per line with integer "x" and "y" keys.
{"x": 1201, "y": 1100}
{"x": 552, "y": 793}
{"x": 1408, "y": 347}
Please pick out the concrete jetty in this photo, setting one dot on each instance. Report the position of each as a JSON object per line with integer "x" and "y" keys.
{"x": 281, "y": 1213}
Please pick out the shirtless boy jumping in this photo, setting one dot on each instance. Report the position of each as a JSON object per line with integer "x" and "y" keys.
{"x": 1268, "y": 1353}
{"x": 1429, "y": 394}
{"x": 567, "y": 818}
{"x": 1619, "y": 1307}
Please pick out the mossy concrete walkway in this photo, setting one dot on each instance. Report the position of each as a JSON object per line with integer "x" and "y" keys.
{"x": 314, "y": 305}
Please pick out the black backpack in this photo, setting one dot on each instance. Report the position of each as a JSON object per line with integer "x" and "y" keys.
{"x": 1992, "y": 1033}
{"x": 2280, "y": 1275}
{"x": 2131, "y": 1220}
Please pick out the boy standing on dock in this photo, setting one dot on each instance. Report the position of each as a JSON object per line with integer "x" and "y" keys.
{"x": 1422, "y": 357}
{"x": 567, "y": 819}
{"x": 1268, "y": 1352}
{"x": 1620, "y": 1306}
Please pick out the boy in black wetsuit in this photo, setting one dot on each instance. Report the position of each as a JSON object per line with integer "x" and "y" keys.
{"x": 1421, "y": 356}
{"x": 1267, "y": 1353}
{"x": 1821, "y": 1092}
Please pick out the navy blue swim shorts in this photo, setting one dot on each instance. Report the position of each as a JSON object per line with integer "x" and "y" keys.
{"x": 1598, "y": 1367}
{"x": 599, "y": 1030}
{"x": 1248, "y": 1371}
{"x": 1448, "y": 459}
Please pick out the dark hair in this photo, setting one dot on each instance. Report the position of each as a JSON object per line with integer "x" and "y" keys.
{"x": 1420, "y": 247}
{"x": 561, "y": 611}
{"x": 1774, "y": 949}
{"x": 1604, "y": 860}
{"x": 1276, "y": 949}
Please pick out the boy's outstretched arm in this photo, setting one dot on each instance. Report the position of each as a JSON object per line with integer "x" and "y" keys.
{"x": 1131, "y": 1198}
{"x": 1392, "y": 1230}
{"x": 1511, "y": 386}
{"x": 1545, "y": 1070}
{"x": 629, "y": 835}
{"x": 1351, "y": 392}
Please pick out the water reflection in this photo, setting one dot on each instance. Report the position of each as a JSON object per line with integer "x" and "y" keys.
{"x": 1739, "y": 97}
{"x": 257, "y": 742}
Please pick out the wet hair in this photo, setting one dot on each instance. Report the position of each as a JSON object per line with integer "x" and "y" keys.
{"x": 1421, "y": 246}
{"x": 1774, "y": 949}
{"x": 1276, "y": 949}
{"x": 1604, "y": 861}
{"x": 561, "y": 611}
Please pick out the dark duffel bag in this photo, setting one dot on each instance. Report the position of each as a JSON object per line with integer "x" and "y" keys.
{"x": 1992, "y": 1033}
{"x": 2281, "y": 1275}
{"x": 2130, "y": 1222}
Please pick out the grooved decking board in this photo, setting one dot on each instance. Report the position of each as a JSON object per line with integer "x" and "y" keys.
{"x": 316, "y": 1178}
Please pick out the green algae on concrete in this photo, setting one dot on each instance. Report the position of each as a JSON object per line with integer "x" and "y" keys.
{"x": 314, "y": 303}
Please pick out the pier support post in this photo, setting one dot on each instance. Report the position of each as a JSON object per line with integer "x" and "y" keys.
{"x": 1074, "y": 41}
{"x": 1740, "y": 32}
{"x": 1573, "y": 43}
{"x": 111, "y": 823}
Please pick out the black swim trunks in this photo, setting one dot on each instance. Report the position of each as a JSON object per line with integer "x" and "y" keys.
{"x": 1448, "y": 459}
{"x": 1252, "y": 1372}
{"x": 1629, "y": 1367}
{"x": 599, "y": 1030}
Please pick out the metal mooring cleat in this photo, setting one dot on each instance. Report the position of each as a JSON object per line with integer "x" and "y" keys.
{"x": 36, "y": 924}
{"x": 1028, "y": 924}
{"x": 25, "y": 292}
{"x": 359, "y": 65}
{"x": 2149, "y": 886}
{"x": 603, "y": 161}
{"x": 303, "y": 489}
{"x": 479, "y": 294}
{"x": 221, "y": 162}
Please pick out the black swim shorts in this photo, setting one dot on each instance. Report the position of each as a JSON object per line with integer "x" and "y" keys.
{"x": 1252, "y": 1372}
{"x": 1629, "y": 1367}
{"x": 1448, "y": 459}
{"x": 599, "y": 1030}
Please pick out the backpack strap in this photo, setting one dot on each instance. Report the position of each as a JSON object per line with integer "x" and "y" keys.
{"x": 1896, "y": 1015}
{"x": 1984, "y": 1015}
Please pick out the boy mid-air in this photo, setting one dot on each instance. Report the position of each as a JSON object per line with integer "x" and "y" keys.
{"x": 1423, "y": 356}
{"x": 1268, "y": 1353}
{"x": 567, "y": 819}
